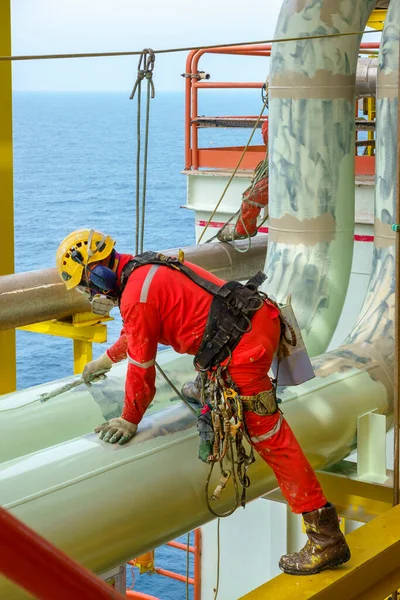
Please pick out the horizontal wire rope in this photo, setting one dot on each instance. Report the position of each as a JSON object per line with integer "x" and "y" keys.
{"x": 186, "y": 49}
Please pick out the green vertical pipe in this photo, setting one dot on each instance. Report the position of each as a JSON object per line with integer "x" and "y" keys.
{"x": 311, "y": 152}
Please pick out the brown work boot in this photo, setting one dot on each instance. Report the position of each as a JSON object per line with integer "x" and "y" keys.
{"x": 326, "y": 546}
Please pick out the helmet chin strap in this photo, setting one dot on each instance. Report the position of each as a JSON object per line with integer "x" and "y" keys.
{"x": 101, "y": 304}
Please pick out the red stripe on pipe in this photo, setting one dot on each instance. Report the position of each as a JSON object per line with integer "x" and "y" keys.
{"x": 363, "y": 238}
{"x": 218, "y": 225}
{"x": 43, "y": 570}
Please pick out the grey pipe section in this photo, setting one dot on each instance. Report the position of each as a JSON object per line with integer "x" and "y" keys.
{"x": 36, "y": 296}
{"x": 366, "y": 75}
{"x": 311, "y": 153}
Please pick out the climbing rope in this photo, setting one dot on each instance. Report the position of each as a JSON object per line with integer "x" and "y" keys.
{"x": 260, "y": 172}
{"x": 177, "y": 392}
{"x": 234, "y": 171}
{"x": 216, "y": 589}
{"x": 23, "y": 57}
{"x": 145, "y": 71}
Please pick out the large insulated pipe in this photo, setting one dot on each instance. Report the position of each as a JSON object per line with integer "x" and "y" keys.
{"x": 36, "y": 296}
{"x": 104, "y": 504}
{"x": 28, "y": 425}
{"x": 311, "y": 150}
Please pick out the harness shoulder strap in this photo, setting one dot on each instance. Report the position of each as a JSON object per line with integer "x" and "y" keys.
{"x": 232, "y": 309}
{"x": 156, "y": 258}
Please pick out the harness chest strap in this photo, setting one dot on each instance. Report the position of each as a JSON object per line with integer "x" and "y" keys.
{"x": 231, "y": 311}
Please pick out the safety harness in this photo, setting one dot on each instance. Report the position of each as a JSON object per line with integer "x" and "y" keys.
{"x": 220, "y": 420}
{"x": 232, "y": 308}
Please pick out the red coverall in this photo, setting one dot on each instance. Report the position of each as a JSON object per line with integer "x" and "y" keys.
{"x": 160, "y": 305}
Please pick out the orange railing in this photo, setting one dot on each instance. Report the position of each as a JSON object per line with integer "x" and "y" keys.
{"x": 195, "y": 581}
{"x": 227, "y": 157}
{"x": 193, "y": 159}
{"x": 43, "y": 570}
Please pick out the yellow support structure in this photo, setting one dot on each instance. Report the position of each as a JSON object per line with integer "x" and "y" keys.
{"x": 377, "y": 18}
{"x": 354, "y": 499}
{"x": 372, "y": 573}
{"x": 8, "y": 377}
{"x": 83, "y": 329}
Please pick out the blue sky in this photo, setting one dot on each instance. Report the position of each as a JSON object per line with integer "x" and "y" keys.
{"x": 63, "y": 26}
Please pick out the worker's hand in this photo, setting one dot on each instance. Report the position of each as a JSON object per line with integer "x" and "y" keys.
{"x": 116, "y": 430}
{"x": 96, "y": 369}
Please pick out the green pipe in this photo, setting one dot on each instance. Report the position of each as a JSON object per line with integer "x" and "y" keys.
{"x": 311, "y": 153}
{"x": 104, "y": 504}
{"x": 29, "y": 425}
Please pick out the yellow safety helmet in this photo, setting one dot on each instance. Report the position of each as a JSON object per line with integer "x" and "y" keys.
{"x": 79, "y": 249}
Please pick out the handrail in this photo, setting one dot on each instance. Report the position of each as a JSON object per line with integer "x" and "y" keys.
{"x": 195, "y": 580}
{"x": 193, "y": 84}
{"x": 191, "y": 109}
{"x": 46, "y": 572}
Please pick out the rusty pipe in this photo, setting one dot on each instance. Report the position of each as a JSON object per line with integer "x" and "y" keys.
{"x": 35, "y": 296}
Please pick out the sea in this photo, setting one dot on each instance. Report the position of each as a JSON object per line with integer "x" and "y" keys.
{"x": 75, "y": 167}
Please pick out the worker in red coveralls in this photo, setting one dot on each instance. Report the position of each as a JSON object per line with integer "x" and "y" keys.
{"x": 161, "y": 305}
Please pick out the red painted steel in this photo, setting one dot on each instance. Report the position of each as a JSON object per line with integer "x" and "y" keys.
{"x": 173, "y": 575}
{"x": 195, "y": 580}
{"x": 181, "y": 546}
{"x": 43, "y": 570}
{"x": 227, "y": 84}
{"x": 365, "y": 165}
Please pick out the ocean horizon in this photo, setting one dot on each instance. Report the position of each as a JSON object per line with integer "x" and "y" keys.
{"x": 74, "y": 166}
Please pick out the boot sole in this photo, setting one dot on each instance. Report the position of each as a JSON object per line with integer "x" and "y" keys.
{"x": 328, "y": 565}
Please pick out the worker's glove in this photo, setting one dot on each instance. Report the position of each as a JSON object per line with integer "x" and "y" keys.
{"x": 116, "y": 430}
{"x": 96, "y": 369}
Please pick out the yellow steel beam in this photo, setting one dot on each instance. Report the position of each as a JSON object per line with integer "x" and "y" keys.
{"x": 83, "y": 353}
{"x": 377, "y": 18}
{"x": 7, "y": 338}
{"x": 88, "y": 333}
{"x": 83, "y": 329}
{"x": 372, "y": 573}
{"x": 354, "y": 499}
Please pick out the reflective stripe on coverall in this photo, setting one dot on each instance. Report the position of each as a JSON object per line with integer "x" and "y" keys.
{"x": 160, "y": 305}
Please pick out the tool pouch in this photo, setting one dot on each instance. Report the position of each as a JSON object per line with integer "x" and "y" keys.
{"x": 261, "y": 404}
{"x": 291, "y": 365}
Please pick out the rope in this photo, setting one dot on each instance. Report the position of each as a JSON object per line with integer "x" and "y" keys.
{"x": 216, "y": 589}
{"x": 234, "y": 171}
{"x": 184, "y": 49}
{"x": 145, "y": 71}
{"x": 177, "y": 392}
{"x": 260, "y": 171}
